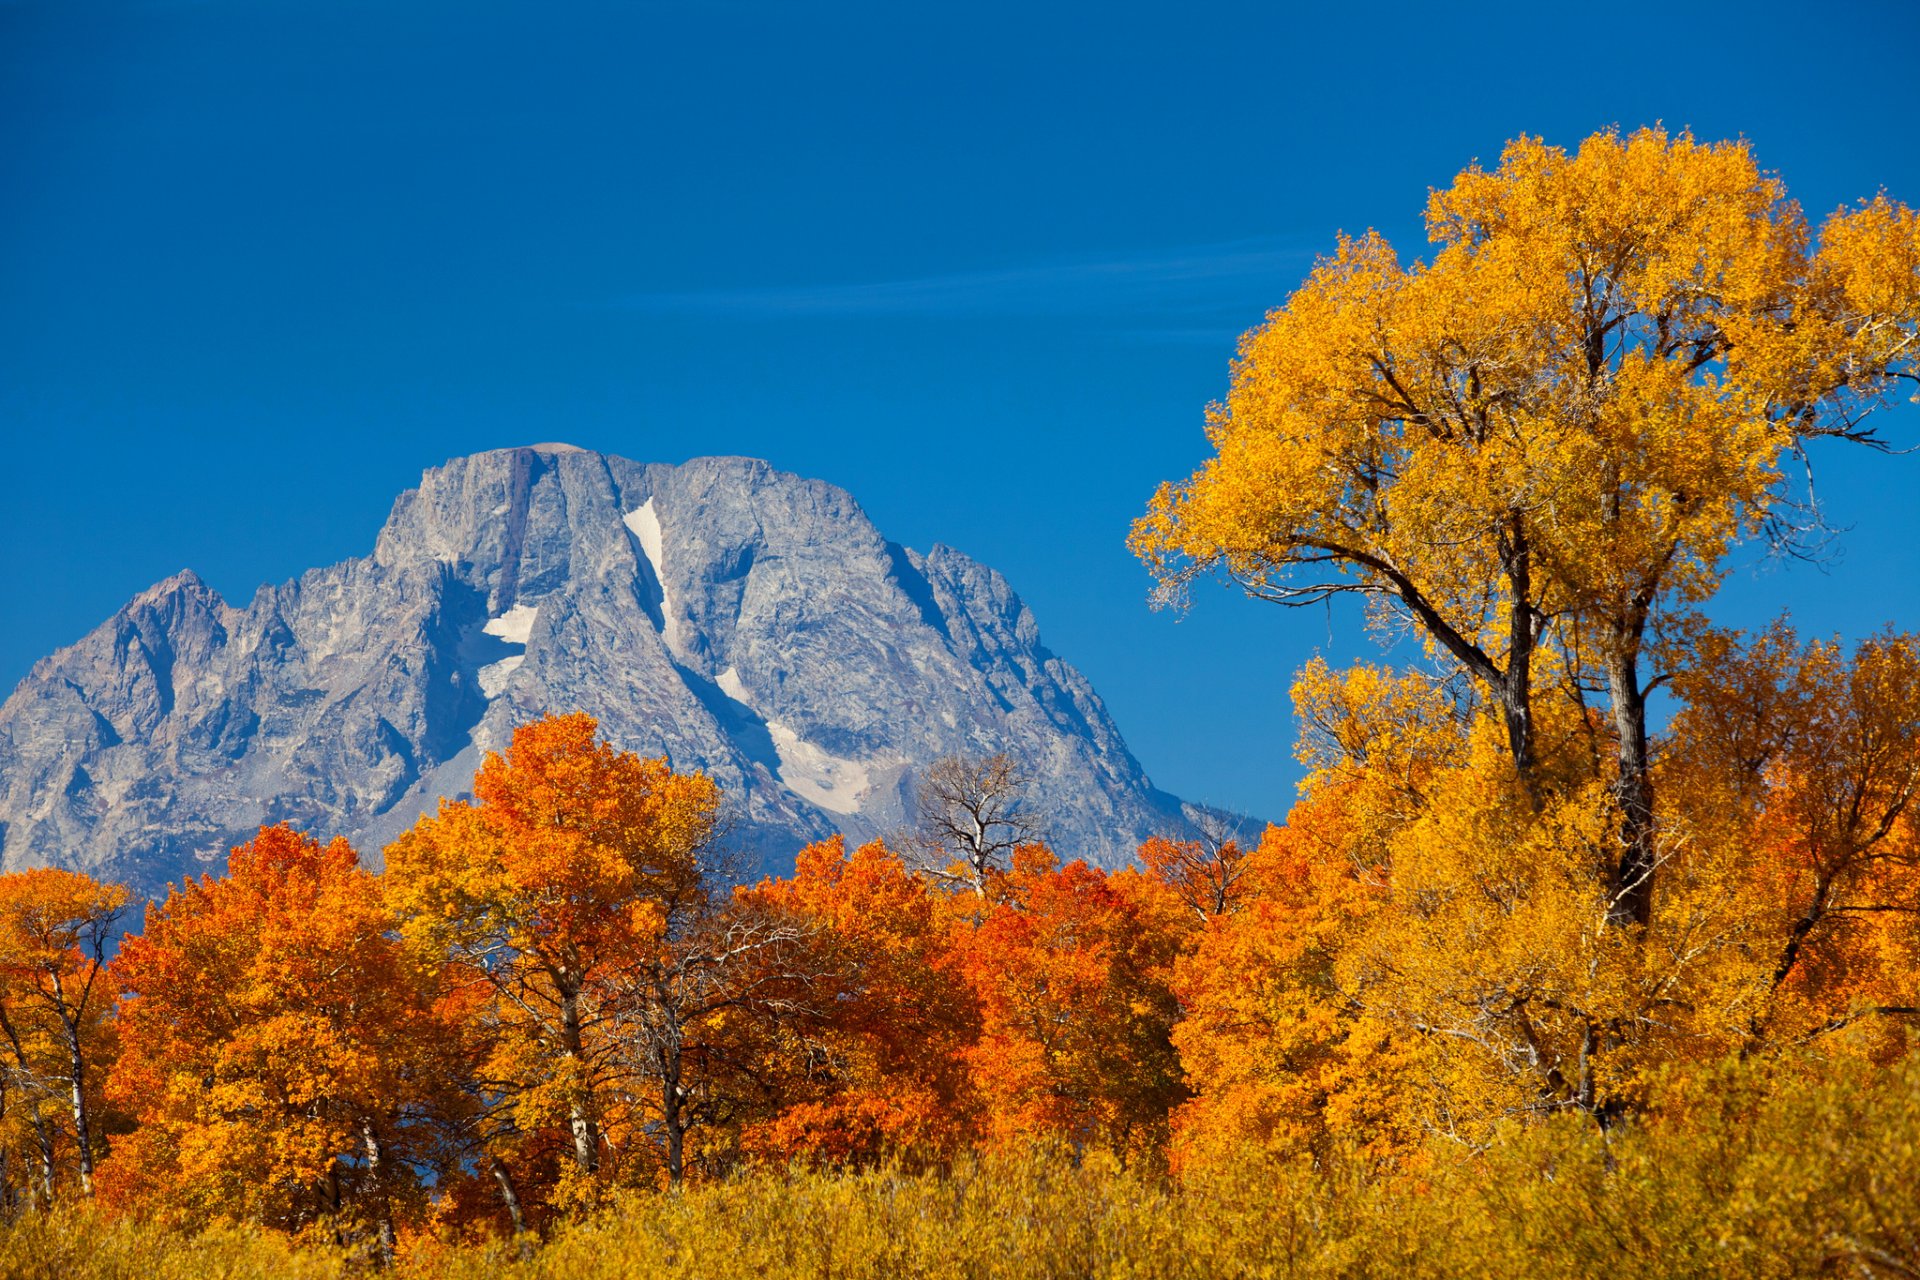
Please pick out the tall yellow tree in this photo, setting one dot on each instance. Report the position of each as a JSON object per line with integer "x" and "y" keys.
{"x": 1551, "y": 434}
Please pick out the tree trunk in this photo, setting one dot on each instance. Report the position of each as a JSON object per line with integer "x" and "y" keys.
{"x": 1516, "y": 688}
{"x": 377, "y": 1191}
{"x": 586, "y": 1138}
{"x": 668, "y": 1057}
{"x": 673, "y": 1115}
{"x": 1631, "y": 900}
{"x": 1517, "y": 712}
{"x": 510, "y": 1197}
{"x": 82, "y": 1137}
{"x": 42, "y": 1138}
{"x": 586, "y": 1141}
{"x": 77, "y": 1082}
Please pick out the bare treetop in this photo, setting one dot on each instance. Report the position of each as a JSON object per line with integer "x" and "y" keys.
{"x": 972, "y": 814}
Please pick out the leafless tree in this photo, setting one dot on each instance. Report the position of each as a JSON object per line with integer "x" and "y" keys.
{"x": 697, "y": 1067}
{"x": 973, "y": 812}
{"x": 1207, "y": 871}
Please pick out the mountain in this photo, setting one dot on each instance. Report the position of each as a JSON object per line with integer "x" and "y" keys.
{"x": 736, "y": 618}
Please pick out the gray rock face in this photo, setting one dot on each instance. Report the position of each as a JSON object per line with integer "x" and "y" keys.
{"x": 737, "y": 619}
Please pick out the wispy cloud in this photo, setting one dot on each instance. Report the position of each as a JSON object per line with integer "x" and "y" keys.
{"x": 1180, "y": 289}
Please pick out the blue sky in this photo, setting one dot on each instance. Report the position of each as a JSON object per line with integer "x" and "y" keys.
{"x": 261, "y": 262}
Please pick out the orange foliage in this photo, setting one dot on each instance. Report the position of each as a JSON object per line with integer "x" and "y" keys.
{"x": 1076, "y": 1008}
{"x": 285, "y": 1056}
{"x": 886, "y": 1068}
{"x": 1276, "y": 1054}
{"x": 54, "y": 930}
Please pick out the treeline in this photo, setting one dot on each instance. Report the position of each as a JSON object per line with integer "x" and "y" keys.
{"x": 549, "y": 1000}
{"x": 553, "y": 992}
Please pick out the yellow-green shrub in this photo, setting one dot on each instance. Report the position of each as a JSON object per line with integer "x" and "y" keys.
{"x": 1734, "y": 1176}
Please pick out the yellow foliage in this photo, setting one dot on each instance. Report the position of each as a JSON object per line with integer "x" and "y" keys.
{"x": 1739, "y": 1172}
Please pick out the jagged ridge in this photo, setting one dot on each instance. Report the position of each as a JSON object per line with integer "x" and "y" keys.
{"x": 736, "y": 618}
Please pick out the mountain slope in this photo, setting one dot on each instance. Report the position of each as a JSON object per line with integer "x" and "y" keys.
{"x": 738, "y": 619}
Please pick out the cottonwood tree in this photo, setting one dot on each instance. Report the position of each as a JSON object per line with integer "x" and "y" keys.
{"x": 884, "y": 1065}
{"x": 1207, "y": 872}
{"x": 1804, "y": 762}
{"x": 692, "y": 1012}
{"x": 1072, "y": 970}
{"x": 1553, "y": 432}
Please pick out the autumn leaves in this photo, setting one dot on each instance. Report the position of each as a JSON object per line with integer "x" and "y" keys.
{"x": 1511, "y": 891}
{"x": 1539, "y": 447}
{"x": 286, "y": 1058}
{"x": 56, "y": 1007}
{"x": 1537, "y": 451}
{"x": 549, "y": 994}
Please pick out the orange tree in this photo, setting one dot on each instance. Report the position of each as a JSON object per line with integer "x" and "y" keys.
{"x": 575, "y": 864}
{"x": 883, "y": 1068}
{"x": 286, "y": 1058}
{"x": 1072, "y": 972}
{"x": 1802, "y": 765}
{"x": 55, "y": 927}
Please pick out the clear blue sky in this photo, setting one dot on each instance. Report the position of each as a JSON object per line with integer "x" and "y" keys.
{"x": 261, "y": 262}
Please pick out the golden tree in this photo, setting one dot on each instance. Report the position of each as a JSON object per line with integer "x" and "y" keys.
{"x": 1551, "y": 434}
{"x": 1539, "y": 449}
{"x": 625, "y": 987}
{"x": 286, "y": 1057}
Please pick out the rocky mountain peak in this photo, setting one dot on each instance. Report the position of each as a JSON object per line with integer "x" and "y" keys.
{"x": 739, "y": 619}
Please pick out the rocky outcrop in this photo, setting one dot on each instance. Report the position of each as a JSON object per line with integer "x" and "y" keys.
{"x": 735, "y": 618}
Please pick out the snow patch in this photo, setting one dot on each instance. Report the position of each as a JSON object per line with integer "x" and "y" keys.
{"x": 834, "y": 784}
{"x": 729, "y": 682}
{"x": 515, "y": 625}
{"x": 645, "y": 523}
{"x": 645, "y": 526}
{"x": 494, "y": 676}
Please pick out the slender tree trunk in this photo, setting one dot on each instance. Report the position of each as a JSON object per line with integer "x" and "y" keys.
{"x": 510, "y": 1197}
{"x": 82, "y": 1136}
{"x": 77, "y": 1084}
{"x": 43, "y": 1139}
{"x": 673, "y": 1114}
{"x": 586, "y": 1138}
{"x": 377, "y": 1190}
{"x": 1631, "y": 899}
{"x": 668, "y": 1056}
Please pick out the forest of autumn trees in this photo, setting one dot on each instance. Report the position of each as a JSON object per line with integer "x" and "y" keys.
{"x": 1578, "y": 850}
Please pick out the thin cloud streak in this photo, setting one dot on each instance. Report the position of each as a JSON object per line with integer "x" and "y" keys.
{"x": 1183, "y": 282}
